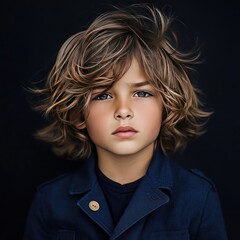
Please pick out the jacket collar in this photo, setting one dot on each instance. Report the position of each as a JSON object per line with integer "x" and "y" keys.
{"x": 159, "y": 173}
{"x": 85, "y": 177}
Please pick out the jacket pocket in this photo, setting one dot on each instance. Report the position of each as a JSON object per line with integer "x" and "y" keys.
{"x": 170, "y": 235}
{"x": 63, "y": 235}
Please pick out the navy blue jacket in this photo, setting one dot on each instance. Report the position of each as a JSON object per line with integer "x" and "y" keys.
{"x": 170, "y": 203}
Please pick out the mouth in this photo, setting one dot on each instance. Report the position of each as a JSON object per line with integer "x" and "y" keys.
{"x": 125, "y": 132}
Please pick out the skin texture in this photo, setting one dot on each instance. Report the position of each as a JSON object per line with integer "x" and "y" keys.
{"x": 133, "y": 105}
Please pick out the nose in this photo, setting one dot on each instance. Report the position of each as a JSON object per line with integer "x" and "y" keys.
{"x": 123, "y": 110}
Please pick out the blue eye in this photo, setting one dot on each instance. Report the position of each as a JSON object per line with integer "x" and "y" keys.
{"x": 102, "y": 97}
{"x": 142, "y": 94}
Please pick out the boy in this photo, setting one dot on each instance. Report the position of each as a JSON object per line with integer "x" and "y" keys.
{"x": 120, "y": 99}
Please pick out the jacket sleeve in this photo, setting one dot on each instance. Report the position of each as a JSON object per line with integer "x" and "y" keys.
{"x": 212, "y": 225}
{"x": 36, "y": 227}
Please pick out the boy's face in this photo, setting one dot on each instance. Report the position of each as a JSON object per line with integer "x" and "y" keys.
{"x": 126, "y": 119}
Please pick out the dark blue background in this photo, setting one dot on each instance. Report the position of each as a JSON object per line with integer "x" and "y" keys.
{"x": 32, "y": 33}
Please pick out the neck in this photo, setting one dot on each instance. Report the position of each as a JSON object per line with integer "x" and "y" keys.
{"x": 125, "y": 169}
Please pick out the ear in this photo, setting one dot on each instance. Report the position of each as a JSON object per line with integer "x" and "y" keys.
{"x": 80, "y": 125}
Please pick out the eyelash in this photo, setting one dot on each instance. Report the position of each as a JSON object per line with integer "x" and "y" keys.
{"x": 146, "y": 94}
{"x": 100, "y": 97}
{"x": 105, "y": 96}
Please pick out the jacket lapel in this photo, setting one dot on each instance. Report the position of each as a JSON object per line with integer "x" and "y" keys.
{"x": 84, "y": 183}
{"x": 149, "y": 195}
{"x": 145, "y": 200}
{"x": 100, "y": 214}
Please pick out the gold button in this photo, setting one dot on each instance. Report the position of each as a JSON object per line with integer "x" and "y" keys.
{"x": 94, "y": 206}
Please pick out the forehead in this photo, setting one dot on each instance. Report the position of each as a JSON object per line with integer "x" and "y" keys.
{"x": 131, "y": 74}
{"x": 134, "y": 75}
{"x": 134, "y": 71}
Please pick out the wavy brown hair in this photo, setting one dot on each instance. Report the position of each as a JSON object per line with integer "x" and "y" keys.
{"x": 99, "y": 56}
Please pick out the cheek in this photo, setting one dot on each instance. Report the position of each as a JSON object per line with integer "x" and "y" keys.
{"x": 154, "y": 125}
{"x": 96, "y": 123}
{"x": 153, "y": 119}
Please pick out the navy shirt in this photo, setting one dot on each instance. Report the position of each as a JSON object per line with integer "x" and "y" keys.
{"x": 117, "y": 195}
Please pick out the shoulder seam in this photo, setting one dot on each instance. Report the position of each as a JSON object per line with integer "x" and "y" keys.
{"x": 45, "y": 183}
{"x": 201, "y": 175}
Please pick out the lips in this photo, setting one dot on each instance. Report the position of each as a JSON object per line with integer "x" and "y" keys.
{"x": 125, "y": 132}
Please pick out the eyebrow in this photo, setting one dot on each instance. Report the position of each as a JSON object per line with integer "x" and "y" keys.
{"x": 140, "y": 84}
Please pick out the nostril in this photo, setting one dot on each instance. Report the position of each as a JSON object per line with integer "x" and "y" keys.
{"x": 123, "y": 116}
